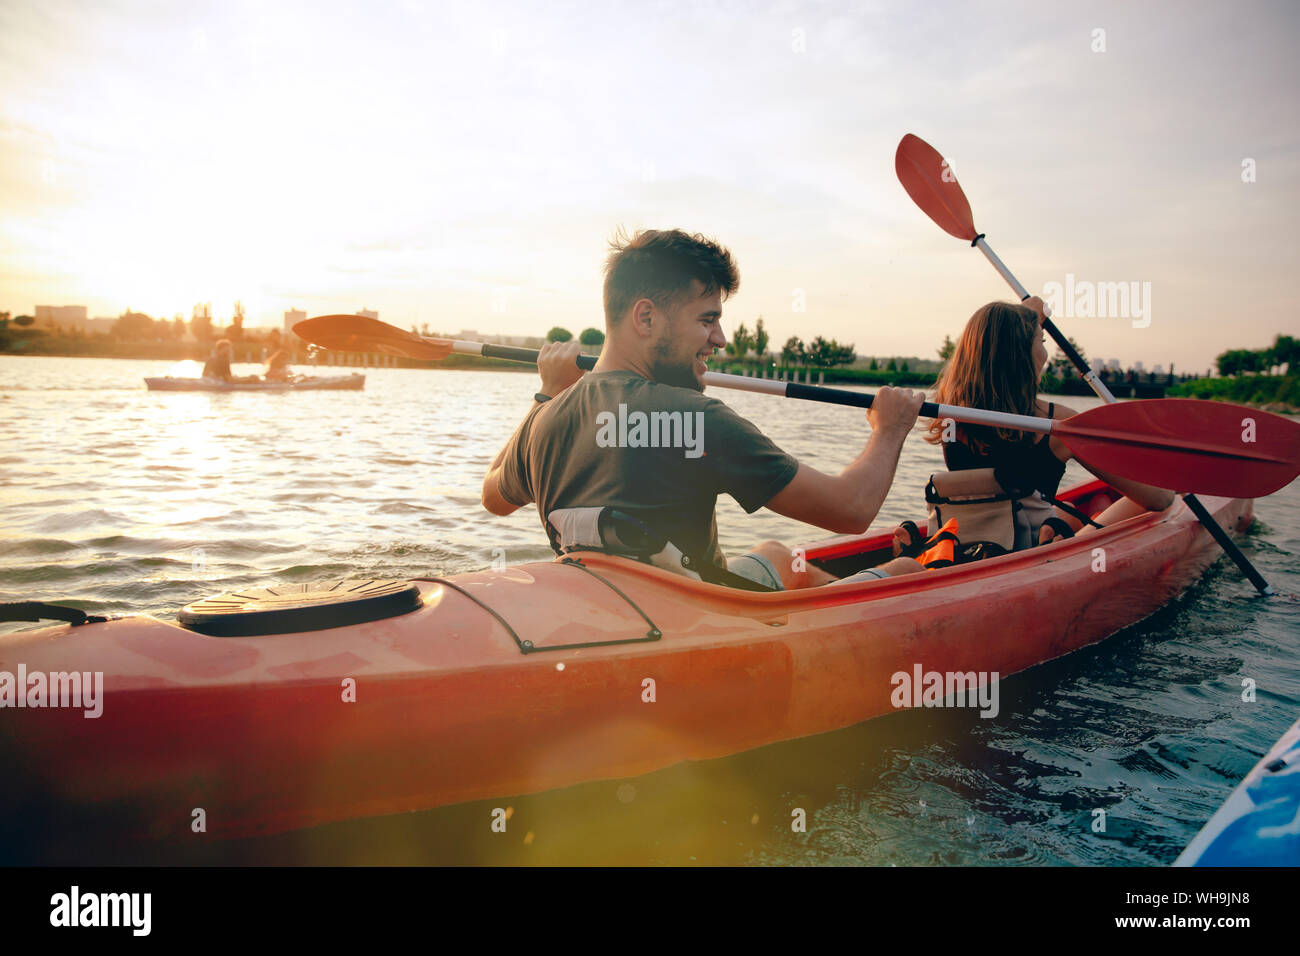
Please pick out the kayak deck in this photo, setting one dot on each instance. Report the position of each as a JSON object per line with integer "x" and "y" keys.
{"x": 531, "y": 678}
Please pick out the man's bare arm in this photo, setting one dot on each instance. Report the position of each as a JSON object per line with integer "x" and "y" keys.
{"x": 847, "y": 503}
{"x": 558, "y": 364}
{"x": 493, "y": 500}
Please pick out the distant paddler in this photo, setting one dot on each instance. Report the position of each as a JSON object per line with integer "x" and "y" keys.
{"x": 217, "y": 366}
{"x": 218, "y": 363}
{"x": 277, "y": 368}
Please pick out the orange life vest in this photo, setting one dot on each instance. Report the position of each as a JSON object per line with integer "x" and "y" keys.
{"x": 943, "y": 547}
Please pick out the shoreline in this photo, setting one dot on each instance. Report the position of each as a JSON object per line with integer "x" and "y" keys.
{"x": 1279, "y": 394}
{"x": 452, "y": 362}
{"x": 1276, "y": 408}
{"x": 866, "y": 378}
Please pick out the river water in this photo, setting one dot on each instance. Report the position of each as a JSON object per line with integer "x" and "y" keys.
{"x": 121, "y": 500}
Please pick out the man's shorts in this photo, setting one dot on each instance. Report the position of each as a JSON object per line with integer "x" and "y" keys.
{"x": 870, "y": 574}
{"x": 756, "y": 568}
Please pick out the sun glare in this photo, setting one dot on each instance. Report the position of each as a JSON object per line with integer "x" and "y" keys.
{"x": 185, "y": 369}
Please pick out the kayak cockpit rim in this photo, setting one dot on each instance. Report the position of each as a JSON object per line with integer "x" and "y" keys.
{"x": 883, "y": 588}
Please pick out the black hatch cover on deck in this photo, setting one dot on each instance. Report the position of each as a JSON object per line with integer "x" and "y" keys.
{"x": 288, "y": 608}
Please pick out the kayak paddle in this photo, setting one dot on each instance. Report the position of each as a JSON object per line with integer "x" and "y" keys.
{"x": 933, "y": 186}
{"x": 1171, "y": 443}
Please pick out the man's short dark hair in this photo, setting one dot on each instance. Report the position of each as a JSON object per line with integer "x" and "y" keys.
{"x": 660, "y": 265}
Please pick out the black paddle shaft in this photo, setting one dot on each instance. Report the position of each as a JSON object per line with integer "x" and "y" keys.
{"x": 810, "y": 393}
{"x": 1064, "y": 345}
{"x": 839, "y": 396}
{"x": 515, "y": 354}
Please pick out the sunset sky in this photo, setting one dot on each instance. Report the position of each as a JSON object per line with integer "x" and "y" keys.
{"x": 463, "y": 164}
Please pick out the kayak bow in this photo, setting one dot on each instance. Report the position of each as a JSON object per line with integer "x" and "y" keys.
{"x": 1259, "y": 825}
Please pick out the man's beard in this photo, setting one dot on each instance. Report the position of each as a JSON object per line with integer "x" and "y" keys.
{"x": 668, "y": 371}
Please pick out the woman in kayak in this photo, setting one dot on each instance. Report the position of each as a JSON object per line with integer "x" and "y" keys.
{"x": 997, "y": 365}
{"x": 218, "y": 363}
{"x": 277, "y": 368}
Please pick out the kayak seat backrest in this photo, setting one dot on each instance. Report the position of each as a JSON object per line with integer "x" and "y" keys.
{"x": 994, "y": 514}
{"x": 614, "y": 532}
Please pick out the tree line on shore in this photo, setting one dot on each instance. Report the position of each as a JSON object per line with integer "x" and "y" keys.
{"x": 1285, "y": 351}
{"x": 1267, "y": 377}
{"x": 133, "y": 329}
{"x": 746, "y": 351}
{"x": 745, "y": 345}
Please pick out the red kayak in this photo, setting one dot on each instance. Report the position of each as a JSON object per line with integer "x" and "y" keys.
{"x": 382, "y": 697}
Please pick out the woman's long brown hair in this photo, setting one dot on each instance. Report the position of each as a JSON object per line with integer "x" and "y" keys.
{"x": 992, "y": 367}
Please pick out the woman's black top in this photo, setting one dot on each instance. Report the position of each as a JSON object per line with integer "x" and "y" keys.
{"x": 1032, "y": 464}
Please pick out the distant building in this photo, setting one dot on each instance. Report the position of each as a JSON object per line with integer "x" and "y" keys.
{"x": 1159, "y": 370}
{"x": 291, "y": 318}
{"x": 1137, "y": 367}
{"x": 368, "y": 313}
{"x": 68, "y": 316}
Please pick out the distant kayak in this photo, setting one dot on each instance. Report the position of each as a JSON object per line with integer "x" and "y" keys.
{"x": 311, "y": 384}
{"x": 1259, "y": 825}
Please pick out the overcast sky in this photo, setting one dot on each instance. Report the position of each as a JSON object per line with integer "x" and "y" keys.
{"x": 463, "y": 164}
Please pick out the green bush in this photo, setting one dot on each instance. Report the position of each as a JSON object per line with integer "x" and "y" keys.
{"x": 1243, "y": 389}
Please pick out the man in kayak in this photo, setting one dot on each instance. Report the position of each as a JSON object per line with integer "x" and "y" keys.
{"x": 638, "y": 435}
{"x": 218, "y": 366}
{"x": 218, "y": 363}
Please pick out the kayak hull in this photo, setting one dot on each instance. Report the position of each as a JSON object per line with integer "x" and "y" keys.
{"x": 448, "y": 703}
{"x": 328, "y": 383}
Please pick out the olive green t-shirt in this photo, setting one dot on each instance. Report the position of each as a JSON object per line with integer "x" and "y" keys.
{"x": 659, "y": 453}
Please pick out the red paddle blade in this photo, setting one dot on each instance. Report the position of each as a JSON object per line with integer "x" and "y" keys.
{"x": 360, "y": 333}
{"x": 931, "y": 184}
{"x": 1188, "y": 445}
